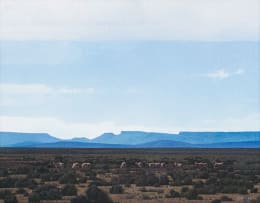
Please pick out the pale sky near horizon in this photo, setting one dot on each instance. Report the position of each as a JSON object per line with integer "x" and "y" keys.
{"x": 77, "y": 68}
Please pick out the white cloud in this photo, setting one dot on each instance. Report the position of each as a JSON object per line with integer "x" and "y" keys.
{"x": 40, "y": 89}
{"x": 129, "y": 19}
{"x": 25, "y": 89}
{"x": 223, "y": 74}
{"x": 219, "y": 74}
{"x": 240, "y": 71}
{"x": 76, "y": 90}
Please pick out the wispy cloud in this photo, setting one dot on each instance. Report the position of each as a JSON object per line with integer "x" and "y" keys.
{"x": 128, "y": 19}
{"x": 40, "y": 89}
{"x": 240, "y": 71}
{"x": 219, "y": 74}
{"x": 224, "y": 74}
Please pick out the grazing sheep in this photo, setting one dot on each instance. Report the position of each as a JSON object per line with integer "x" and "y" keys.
{"x": 218, "y": 164}
{"x": 139, "y": 164}
{"x": 123, "y": 164}
{"x": 75, "y": 165}
{"x": 178, "y": 164}
{"x": 162, "y": 165}
{"x": 85, "y": 165}
{"x": 201, "y": 164}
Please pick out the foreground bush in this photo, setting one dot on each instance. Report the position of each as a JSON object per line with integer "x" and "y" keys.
{"x": 216, "y": 201}
{"x": 93, "y": 195}
{"x": 80, "y": 199}
{"x": 69, "y": 190}
{"x": 8, "y": 182}
{"x": 68, "y": 178}
{"x": 96, "y": 195}
{"x": 173, "y": 194}
{"x": 45, "y": 192}
{"x": 116, "y": 189}
{"x": 8, "y": 197}
{"x": 190, "y": 194}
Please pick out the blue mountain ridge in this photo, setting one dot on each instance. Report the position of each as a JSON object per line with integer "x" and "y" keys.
{"x": 156, "y": 144}
{"x": 139, "y": 137}
{"x": 136, "y": 139}
{"x": 11, "y": 138}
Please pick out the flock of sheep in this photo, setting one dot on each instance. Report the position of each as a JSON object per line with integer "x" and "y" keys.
{"x": 139, "y": 164}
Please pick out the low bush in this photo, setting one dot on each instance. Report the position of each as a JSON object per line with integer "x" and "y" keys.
{"x": 80, "y": 199}
{"x": 116, "y": 189}
{"x": 173, "y": 194}
{"x": 68, "y": 178}
{"x": 96, "y": 195}
{"x": 47, "y": 192}
{"x": 69, "y": 190}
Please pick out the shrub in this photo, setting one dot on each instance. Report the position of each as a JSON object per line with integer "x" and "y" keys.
{"x": 80, "y": 199}
{"x": 146, "y": 197}
{"x": 173, "y": 194}
{"x": 21, "y": 191}
{"x": 22, "y": 183}
{"x": 116, "y": 189}
{"x": 3, "y": 172}
{"x": 34, "y": 198}
{"x": 22, "y": 170}
{"x": 7, "y": 182}
{"x": 216, "y": 201}
{"x": 10, "y": 198}
{"x": 226, "y": 198}
{"x": 257, "y": 200}
{"x": 68, "y": 178}
{"x": 149, "y": 180}
{"x": 254, "y": 190}
{"x": 48, "y": 192}
{"x": 190, "y": 194}
{"x": 164, "y": 180}
{"x": 96, "y": 195}
{"x": 4, "y": 193}
{"x": 69, "y": 190}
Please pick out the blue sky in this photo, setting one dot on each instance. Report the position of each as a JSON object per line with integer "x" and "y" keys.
{"x": 86, "y": 82}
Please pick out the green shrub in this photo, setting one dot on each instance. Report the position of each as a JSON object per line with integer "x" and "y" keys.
{"x": 68, "y": 178}
{"x": 47, "y": 192}
{"x": 34, "y": 198}
{"x": 173, "y": 194}
{"x": 69, "y": 190}
{"x": 116, "y": 189}
{"x": 216, "y": 201}
{"x": 3, "y": 172}
{"x": 80, "y": 199}
{"x": 4, "y": 193}
{"x": 11, "y": 198}
{"x": 8, "y": 197}
{"x": 96, "y": 195}
{"x": 22, "y": 183}
{"x": 226, "y": 198}
{"x": 7, "y": 182}
{"x": 190, "y": 194}
{"x": 21, "y": 191}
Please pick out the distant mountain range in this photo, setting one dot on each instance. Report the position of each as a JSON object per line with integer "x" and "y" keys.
{"x": 136, "y": 139}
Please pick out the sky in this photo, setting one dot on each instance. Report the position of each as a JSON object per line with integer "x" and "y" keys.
{"x": 77, "y": 68}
